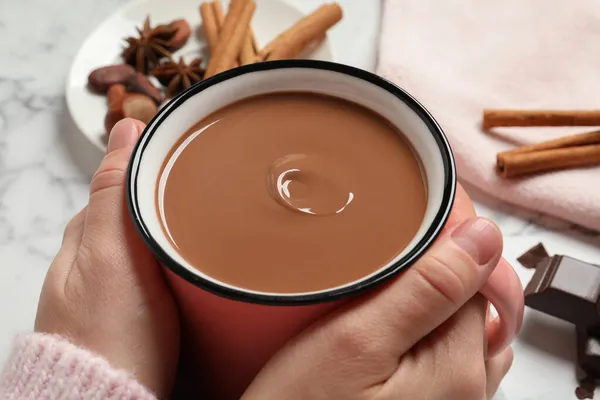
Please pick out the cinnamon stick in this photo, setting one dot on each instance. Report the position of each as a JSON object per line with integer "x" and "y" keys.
{"x": 513, "y": 164}
{"x": 496, "y": 118}
{"x": 210, "y": 26}
{"x": 254, "y": 42}
{"x": 231, "y": 39}
{"x": 581, "y": 139}
{"x": 219, "y": 13}
{"x": 314, "y": 26}
{"x": 248, "y": 54}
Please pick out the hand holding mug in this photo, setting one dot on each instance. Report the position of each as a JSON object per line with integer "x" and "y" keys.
{"x": 421, "y": 337}
{"x": 104, "y": 290}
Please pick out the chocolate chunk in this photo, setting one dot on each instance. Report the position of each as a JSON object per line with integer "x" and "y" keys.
{"x": 566, "y": 288}
{"x": 586, "y": 389}
{"x": 534, "y": 256}
{"x": 588, "y": 351}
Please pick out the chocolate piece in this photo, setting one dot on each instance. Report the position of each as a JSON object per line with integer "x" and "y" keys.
{"x": 588, "y": 350}
{"x": 566, "y": 288}
{"x": 534, "y": 256}
{"x": 586, "y": 389}
{"x": 569, "y": 289}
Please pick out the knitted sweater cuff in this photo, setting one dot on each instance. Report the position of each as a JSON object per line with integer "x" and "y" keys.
{"x": 49, "y": 367}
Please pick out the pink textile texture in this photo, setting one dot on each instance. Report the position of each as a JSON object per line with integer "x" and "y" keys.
{"x": 50, "y": 368}
{"x": 459, "y": 57}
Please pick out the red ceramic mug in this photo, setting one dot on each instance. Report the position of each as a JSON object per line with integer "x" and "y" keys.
{"x": 229, "y": 333}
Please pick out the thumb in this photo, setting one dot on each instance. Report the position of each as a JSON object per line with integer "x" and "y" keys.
{"x": 106, "y": 211}
{"x": 436, "y": 286}
{"x": 112, "y": 169}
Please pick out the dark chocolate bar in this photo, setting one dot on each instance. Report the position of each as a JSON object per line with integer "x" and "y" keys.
{"x": 588, "y": 351}
{"x": 569, "y": 289}
{"x": 534, "y": 256}
{"x": 566, "y": 288}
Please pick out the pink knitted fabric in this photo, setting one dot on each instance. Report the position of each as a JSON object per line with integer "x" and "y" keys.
{"x": 50, "y": 368}
{"x": 459, "y": 57}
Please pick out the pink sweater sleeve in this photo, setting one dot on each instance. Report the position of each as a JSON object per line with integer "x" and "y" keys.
{"x": 50, "y": 368}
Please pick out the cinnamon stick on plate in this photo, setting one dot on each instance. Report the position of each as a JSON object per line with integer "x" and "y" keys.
{"x": 497, "y": 118}
{"x": 219, "y": 13}
{"x": 313, "y": 27}
{"x": 210, "y": 25}
{"x": 248, "y": 54}
{"x": 231, "y": 39}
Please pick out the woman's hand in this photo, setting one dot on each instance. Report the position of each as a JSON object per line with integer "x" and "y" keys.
{"x": 104, "y": 290}
{"x": 420, "y": 337}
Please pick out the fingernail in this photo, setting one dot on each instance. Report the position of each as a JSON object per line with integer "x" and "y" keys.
{"x": 124, "y": 134}
{"x": 480, "y": 238}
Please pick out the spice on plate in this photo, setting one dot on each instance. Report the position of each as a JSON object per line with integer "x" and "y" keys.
{"x": 178, "y": 76}
{"x": 101, "y": 79}
{"x": 231, "y": 39}
{"x": 219, "y": 13}
{"x": 139, "y": 83}
{"x": 183, "y": 31}
{"x": 152, "y": 44}
{"x": 311, "y": 28}
{"x": 210, "y": 25}
{"x": 132, "y": 105}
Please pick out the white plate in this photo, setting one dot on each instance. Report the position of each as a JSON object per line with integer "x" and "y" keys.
{"x": 104, "y": 46}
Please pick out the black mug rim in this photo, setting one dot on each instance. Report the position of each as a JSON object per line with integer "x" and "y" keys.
{"x": 438, "y": 223}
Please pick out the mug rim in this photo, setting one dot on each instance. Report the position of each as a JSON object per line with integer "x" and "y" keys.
{"x": 323, "y": 296}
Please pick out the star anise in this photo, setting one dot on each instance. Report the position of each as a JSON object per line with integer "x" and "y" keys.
{"x": 144, "y": 52}
{"x": 178, "y": 76}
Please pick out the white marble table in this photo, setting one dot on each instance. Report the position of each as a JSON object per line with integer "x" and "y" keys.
{"x": 45, "y": 167}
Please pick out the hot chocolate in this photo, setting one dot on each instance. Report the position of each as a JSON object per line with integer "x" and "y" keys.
{"x": 291, "y": 193}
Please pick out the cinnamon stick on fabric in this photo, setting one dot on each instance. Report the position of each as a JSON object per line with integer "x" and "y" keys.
{"x": 314, "y": 26}
{"x": 497, "y": 118}
{"x": 580, "y": 139}
{"x": 231, "y": 39}
{"x": 513, "y": 164}
{"x": 210, "y": 26}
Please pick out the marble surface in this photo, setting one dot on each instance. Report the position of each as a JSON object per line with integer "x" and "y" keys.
{"x": 45, "y": 165}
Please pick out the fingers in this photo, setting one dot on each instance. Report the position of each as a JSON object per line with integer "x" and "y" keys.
{"x": 452, "y": 356}
{"x": 435, "y": 287}
{"x": 112, "y": 169}
{"x": 464, "y": 332}
{"x": 104, "y": 217}
{"x": 497, "y": 368}
{"x": 108, "y": 232}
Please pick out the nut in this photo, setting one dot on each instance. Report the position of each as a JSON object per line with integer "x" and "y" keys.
{"x": 102, "y": 78}
{"x": 140, "y": 107}
{"x": 115, "y": 95}
{"x": 133, "y": 105}
{"x": 182, "y": 34}
{"x": 138, "y": 83}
